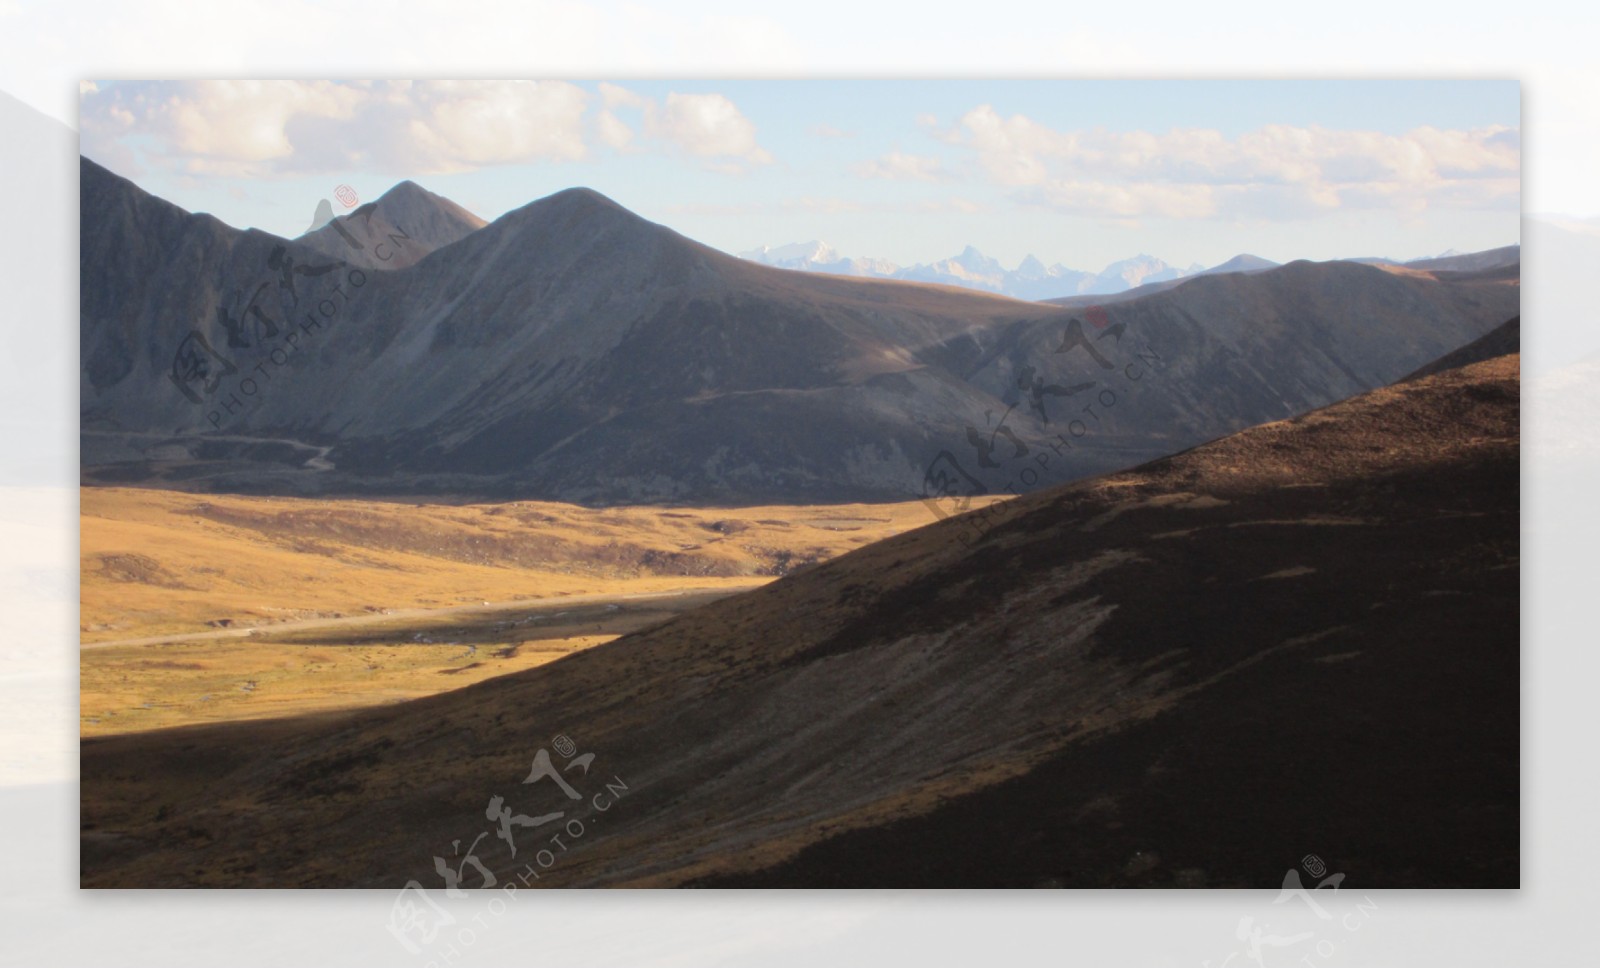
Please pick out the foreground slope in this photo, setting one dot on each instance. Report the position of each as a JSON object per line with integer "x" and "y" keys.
{"x": 1302, "y": 638}
{"x": 574, "y": 351}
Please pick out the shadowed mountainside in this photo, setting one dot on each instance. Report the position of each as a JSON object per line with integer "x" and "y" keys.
{"x": 1503, "y": 339}
{"x": 1502, "y": 263}
{"x": 1300, "y": 638}
{"x": 573, "y": 351}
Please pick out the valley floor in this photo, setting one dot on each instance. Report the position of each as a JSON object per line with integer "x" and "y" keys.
{"x": 209, "y": 608}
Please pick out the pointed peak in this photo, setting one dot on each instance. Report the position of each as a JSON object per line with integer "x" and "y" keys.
{"x": 580, "y": 203}
{"x": 578, "y": 200}
{"x": 406, "y": 191}
{"x": 408, "y": 200}
{"x": 582, "y": 195}
{"x": 1243, "y": 262}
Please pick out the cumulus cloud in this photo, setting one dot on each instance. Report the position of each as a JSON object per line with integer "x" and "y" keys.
{"x": 267, "y": 128}
{"x": 1275, "y": 172}
{"x": 257, "y": 128}
{"x": 709, "y": 127}
{"x": 617, "y": 96}
{"x": 612, "y": 131}
{"x": 899, "y": 166}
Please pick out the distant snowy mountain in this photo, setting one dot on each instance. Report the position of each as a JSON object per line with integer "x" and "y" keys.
{"x": 818, "y": 257}
{"x": 1031, "y": 280}
{"x": 1126, "y": 274}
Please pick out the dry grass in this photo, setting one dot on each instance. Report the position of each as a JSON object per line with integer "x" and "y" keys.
{"x": 295, "y": 606}
{"x": 162, "y": 562}
{"x": 288, "y": 673}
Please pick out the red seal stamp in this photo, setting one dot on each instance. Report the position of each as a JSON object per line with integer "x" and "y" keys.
{"x": 1096, "y": 315}
{"x": 346, "y": 195}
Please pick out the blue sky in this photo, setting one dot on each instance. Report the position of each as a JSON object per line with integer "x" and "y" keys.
{"x": 1073, "y": 171}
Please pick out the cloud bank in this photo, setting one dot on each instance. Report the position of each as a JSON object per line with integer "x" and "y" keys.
{"x": 1276, "y": 172}
{"x": 409, "y": 128}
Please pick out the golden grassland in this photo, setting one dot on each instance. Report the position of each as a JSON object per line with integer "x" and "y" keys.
{"x": 202, "y": 608}
{"x": 332, "y": 668}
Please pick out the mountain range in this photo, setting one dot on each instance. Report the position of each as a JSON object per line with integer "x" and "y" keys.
{"x": 574, "y": 351}
{"x": 971, "y": 269}
{"x": 1033, "y": 280}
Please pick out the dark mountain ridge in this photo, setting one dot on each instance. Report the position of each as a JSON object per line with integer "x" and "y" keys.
{"x": 574, "y": 351}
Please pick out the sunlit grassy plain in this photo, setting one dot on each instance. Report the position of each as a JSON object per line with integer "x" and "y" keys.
{"x": 268, "y": 607}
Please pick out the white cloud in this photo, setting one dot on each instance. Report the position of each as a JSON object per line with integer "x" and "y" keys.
{"x": 617, "y": 96}
{"x": 899, "y": 166}
{"x": 612, "y": 131}
{"x": 267, "y": 128}
{"x": 707, "y": 126}
{"x": 1275, "y": 172}
{"x": 260, "y": 128}
{"x": 468, "y": 124}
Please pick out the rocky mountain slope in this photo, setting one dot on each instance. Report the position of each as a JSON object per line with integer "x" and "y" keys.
{"x": 573, "y": 351}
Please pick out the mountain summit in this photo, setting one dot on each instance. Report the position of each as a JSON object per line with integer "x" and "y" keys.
{"x": 405, "y": 224}
{"x": 1244, "y": 262}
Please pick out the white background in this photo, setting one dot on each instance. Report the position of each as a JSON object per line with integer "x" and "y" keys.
{"x": 45, "y": 49}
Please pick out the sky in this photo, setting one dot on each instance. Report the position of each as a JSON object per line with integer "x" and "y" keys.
{"x": 1080, "y": 172}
